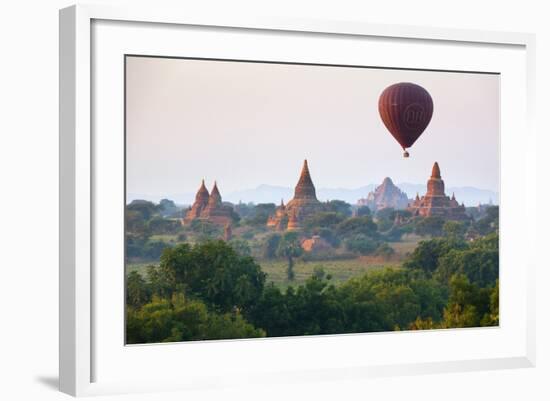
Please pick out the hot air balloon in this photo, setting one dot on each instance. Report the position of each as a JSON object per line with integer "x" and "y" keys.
{"x": 406, "y": 110}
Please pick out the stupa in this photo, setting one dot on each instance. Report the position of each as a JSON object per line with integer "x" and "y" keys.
{"x": 209, "y": 207}
{"x": 299, "y": 208}
{"x": 435, "y": 202}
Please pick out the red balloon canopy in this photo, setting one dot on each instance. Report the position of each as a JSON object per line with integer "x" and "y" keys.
{"x": 406, "y": 110}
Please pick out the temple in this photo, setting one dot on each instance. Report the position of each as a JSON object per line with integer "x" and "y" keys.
{"x": 304, "y": 204}
{"x": 435, "y": 202}
{"x": 384, "y": 196}
{"x": 209, "y": 207}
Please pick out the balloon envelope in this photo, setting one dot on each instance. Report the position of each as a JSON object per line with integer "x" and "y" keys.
{"x": 406, "y": 110}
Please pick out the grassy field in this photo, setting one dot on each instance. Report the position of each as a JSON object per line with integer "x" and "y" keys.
{"x": 340, "y": 270}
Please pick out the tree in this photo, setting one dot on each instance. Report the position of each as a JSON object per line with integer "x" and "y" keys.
{"x": 240, "y": 246}
{"x": 260, "y": 214}
{"x": 136, "y": 224}
{"x": 290, "y": 247}
{"x": 340, "y": 207}
{"x": 362, "y": 244}
{"x": 431, "y": 225}
{"x": 270, "y": 246}
{"x": 492, "y": 318}
{"x": 426, "y": 255}
{"x": 330, "y": 236}
{"x": 167, "y": 207}
{"x": 153, "y": 249}
{"x": 205, "y": 229}
{"x": 182, "y": 319}
{"x": 213, "y": 272}
{"x": 488, "y": 223}
{"x": 461, "y": 310}
{"x": 357, "y": 225}
{"x": 323, "y": 220}
{"x": 384, "y": 218}
{"x": 145, "y": 208}
{"x": 480, "y": 266}
{"x": 137, "y": 291}
{"x": 454, "y": 229}
{"x": 384, "y": 250}
{"x": 160, "y": 225}
{"x": 363, "y": 211}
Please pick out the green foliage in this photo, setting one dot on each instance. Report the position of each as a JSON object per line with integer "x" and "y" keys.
{"x": 240, "y": 246}
{"x": 244, "y": 209}
{"x": 323, "y": 220}
{"x": 363, "y": 211}
{"x": 384, "y": 218}
{"x": 480, "y": 266}
{"x": 362, "y": 244}
{"x": 426, "y": 255}
{"x": 478, "y": 260}
{"x": 140, "y": 247}
{"x": 339, "y": 207}
{"x": 387, "y": 213}
{"x": 135, "y": 223}
{"x": 205, "y": 229}
{"x": 467, "y": 303}
{"x": 211, "y": 271}
{"x": 357, "y": 225}
{"x": 167, "y": 207}
{"x": 432, "y": 226}
{"x": 489, "y": 223}
{"x": 145, "y": 208}
{"x": 395, "y": 233}
{"x": 153, "y": 249}
{"x": 235, "y": 217}
{"x": 137, "y": 291}
{"x": 289, "y": 248}
{"x": 214, "y": 289}
{"x": 270, "y": 246}
{"x": 384, "y": 250}
{"x": 134, "y": 245}
{"x": 454, "y": 229}
{"x": 181, "y": 319}
{"x": 260, "y": 214}
{"x": 330, "y": 236}
{"x": 159, "y": 225}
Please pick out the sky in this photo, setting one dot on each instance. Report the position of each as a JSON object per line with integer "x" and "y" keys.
{"x": 247, "y": 124}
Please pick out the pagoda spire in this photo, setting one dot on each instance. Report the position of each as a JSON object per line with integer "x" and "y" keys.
{"x": 436, "y": 173}
{"x": 215, "y": 197}
{"x": 202, "y": 194}
{"x": 305, "y": 187}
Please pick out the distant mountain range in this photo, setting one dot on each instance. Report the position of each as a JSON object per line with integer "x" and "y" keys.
{"x": 273, "y": 194}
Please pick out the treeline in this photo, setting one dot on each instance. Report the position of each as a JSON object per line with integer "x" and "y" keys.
{"x": 211, "y": 291}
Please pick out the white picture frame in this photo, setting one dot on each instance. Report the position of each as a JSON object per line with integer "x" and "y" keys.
{"x": 80, "y": 342}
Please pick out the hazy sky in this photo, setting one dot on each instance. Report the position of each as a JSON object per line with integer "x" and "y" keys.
{"x": 246, "y": 124}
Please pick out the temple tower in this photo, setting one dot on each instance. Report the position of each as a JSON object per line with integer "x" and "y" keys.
{"x": 435, "y": 202}
{"x": 201, "y": 200}
{"x": 436, "y": 186}
{"x": 305, "y": 188}
{"x": 303, "y": 205}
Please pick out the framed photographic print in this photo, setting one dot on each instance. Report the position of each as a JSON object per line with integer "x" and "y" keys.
{"x": 272, "y": 199}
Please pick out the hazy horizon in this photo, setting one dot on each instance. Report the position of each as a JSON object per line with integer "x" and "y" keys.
{"x": 250, "y": 124}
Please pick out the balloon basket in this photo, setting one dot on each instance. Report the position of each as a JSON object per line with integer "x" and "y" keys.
{"x": 406, "y": 154}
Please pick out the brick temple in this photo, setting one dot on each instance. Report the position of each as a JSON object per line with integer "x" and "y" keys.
{"x": 384, "y": 196}
{"x": 304, "y": 204}
{"x": 436, "y": 202}
{"x": 209, "y": 207}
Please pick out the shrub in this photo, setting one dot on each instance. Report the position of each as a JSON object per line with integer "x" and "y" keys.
{"x": 362, "y": 244}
